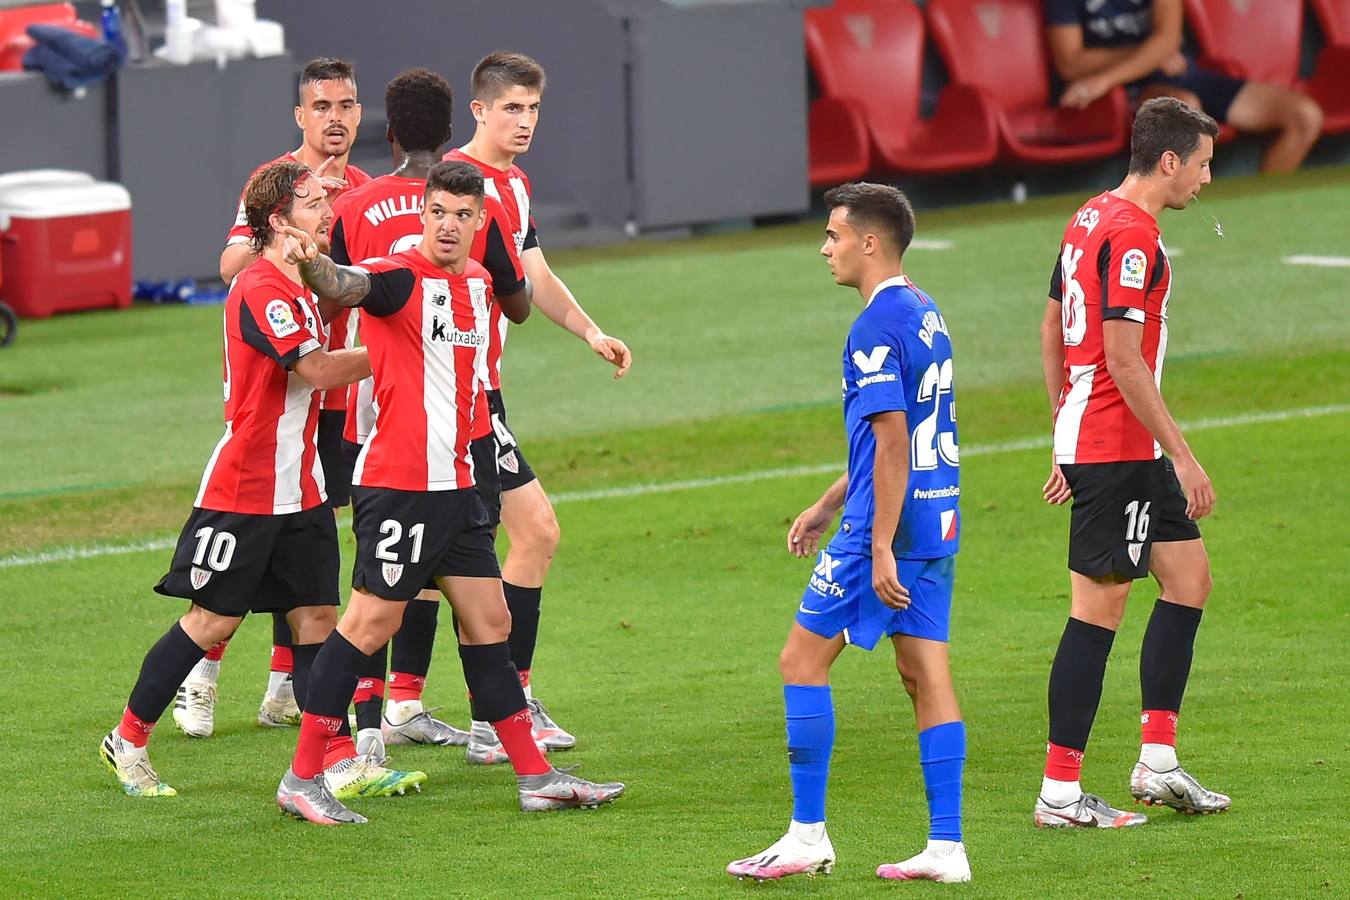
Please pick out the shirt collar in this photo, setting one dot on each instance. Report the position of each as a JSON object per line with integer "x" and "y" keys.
{"x": 893, "y": 281}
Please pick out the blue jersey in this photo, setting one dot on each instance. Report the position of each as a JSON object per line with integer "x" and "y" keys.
{"x": 899, "y": 358}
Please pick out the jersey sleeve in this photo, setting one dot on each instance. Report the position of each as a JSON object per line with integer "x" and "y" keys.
{"x": 1123, "y": 263}
{"x": 1057, "y": 282}
{"x": 239, "y": 233}
{"x": 277, "y": 326}
{"x": 391, "y": 286}
{"x": 875, "y": 364}
{"x": 1062, "y": 12}
{"x": 531, "y": 238}
{"x": 499, "y": 254}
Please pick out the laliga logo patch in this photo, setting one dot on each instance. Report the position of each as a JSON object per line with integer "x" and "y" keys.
{"x": 392, "y": 572}
{"x": 281, "y": 319}
{"x": 199, "y": 578}
{"x": 1132, "y": 267}
{"x": 509, "y": 462}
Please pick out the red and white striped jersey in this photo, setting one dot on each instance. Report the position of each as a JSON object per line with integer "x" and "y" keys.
{"x": 512, "y": 188}
{"x": 426, "y": 330}
{"x": 1112, "y": 265}
{"x": 382, "y": 218}
{"x": 267, "y": 462}
{"x": 338, "y": 330}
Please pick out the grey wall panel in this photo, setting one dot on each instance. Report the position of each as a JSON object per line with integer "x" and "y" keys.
{"x": 49, "y": 129}
{"x": 188, "y": 137}
{"x": 719, "y": 113}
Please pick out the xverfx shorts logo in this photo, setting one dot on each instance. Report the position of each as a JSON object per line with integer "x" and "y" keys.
{"x": 822, "y": 577}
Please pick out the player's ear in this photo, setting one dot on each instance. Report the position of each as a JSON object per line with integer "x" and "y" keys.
{"x": 1169, "y": 162}
{"x": 482, "y": 217}
{"x": 357, "y": 123}
{"x": 299, "y": 117}
{"x": 476, "y": 107}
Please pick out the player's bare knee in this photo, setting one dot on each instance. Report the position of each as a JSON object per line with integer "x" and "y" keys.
{"x": 1304, "y": 118}
{"x": 207, "y": 628}
{"x": 797, "y": 667}
{"x": 544, "y": 533}
{"x": 312, "y": 624}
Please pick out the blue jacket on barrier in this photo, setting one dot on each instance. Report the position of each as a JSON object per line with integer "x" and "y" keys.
{"x": 71, "y": 60}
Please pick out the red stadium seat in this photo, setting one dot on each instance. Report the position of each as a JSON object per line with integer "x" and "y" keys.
{"x": 1330, "y": 83}
{"x": 838, "y": 141}
{"x": 1334, "y": 17}
{"x": 998, "y": 46}
{"x": 1262, "y": 42}
{"x": 14, "y": 39}
{"x": 868, "y": 56}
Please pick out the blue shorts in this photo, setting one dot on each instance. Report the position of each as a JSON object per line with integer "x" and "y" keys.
{"x": 1215, "y": 90}
{"x": 839, "y": 598}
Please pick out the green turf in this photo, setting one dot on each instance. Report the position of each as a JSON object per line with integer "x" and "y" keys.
{"x": 665, "y": 612}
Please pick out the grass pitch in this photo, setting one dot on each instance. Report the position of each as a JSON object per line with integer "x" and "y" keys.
{"x": 666, "y": 608}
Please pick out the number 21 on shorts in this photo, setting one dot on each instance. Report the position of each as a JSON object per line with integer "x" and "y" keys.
{"x": 385, "y": 551}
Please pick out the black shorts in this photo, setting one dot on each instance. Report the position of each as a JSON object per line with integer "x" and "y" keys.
{"x": 485, "y": 480}
{"x": 236, "y": 563}
{"x": 406, "y": 539}
{"x": 1120, "y": 510}
{"x": 337, "y": 467}
{"x": 512, "y": 469}
{"x": 1215, "y": 89}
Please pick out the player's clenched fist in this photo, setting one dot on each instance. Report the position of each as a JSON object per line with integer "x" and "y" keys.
{"x": 298, "y": 246}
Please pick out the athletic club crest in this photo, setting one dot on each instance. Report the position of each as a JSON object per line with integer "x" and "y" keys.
{"x": 1134, "y": 550}
{"x": 199, "y": 578}
{"x": 392, "y": 573}
{"x": 509, "y": 462}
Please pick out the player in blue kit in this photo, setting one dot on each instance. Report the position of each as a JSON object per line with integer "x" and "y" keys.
{"x": 888, "y": 570}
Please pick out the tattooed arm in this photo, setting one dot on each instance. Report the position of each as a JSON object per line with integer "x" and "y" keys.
{"x": 344, "y": 285}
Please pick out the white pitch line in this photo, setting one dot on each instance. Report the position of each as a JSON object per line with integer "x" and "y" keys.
{"x": 930, "y": 244}
{"x": 1327, "y": 262}
{"x": 68, "y": 554}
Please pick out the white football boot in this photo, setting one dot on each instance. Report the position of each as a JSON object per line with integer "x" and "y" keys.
{"x": 789, "y": 855}
{"x": 941, "y": 861}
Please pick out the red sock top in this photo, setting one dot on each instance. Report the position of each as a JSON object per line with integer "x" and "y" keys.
{"x": 1158, "y": 726}
{"x": 517, "y": 737}
{"x": 1063, "y": 763}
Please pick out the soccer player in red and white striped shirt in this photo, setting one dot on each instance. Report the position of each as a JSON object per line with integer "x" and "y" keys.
{"x": 1102, "y": 344}
{"x": 259, "y": 537}
{"x": 380, "y": 218}
{"x": 328, "y": 115}
{"x": 507, "y": 91}
{"x": 417, "y": 517}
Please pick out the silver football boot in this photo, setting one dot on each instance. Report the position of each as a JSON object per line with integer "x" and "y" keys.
{"x": 1088, "y": 811}
{"x": 1176, "y": 788}
{"x": 424, "y": 728}
{"x": 313, "y": 801}
{"x": 559, "y": 790}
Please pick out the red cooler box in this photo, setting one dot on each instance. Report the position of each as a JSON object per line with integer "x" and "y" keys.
{"x": 65, "y": 242}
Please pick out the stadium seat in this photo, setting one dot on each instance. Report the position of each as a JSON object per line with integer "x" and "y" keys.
{"x": 1328, "y": 84}
{"x": 998, "y": 46}
{"x": 14, "y": 39}
{"x": 868, "y": 57}
{"x": 837, "y": 149}
{"x": 1263, "y": 41}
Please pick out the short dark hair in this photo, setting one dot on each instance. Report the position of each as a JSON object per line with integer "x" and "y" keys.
{"x": 327, "y": 68}
{"x": 1162, "y": 124}
{"x": 876, "y": 206}
{"x": 498, "y": 72}
{"x": 460, "y": 178}
{"x": 272, "y": 190}
{"x": 418, "y": 105}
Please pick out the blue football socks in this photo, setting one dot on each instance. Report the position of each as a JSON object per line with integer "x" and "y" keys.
{"x": 810, "y": 739}
{"x": 942, "y": 751}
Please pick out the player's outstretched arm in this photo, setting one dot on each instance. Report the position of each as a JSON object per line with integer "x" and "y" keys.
{"x": 234, "y": 259}
{"x": 325, "y": 370}
{"x": 344, "y": 285}
{"x": 1122, "y": 340}
{"x": 557, "y": 302}
{"x": 890, "y": 472}
{"x": 803, "y": 537}
{"x": 1056, "y": 488}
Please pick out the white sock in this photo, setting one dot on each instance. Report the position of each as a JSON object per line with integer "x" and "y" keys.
{"x": 275, "y": 680}
{"x": 206, "y": 670}
{"x": 1060, "y": 793}
{"x": 942, "y": 848}
{"x": 1158, "y": 757}
{"x": 807, "y": 832}
{"x": 366, "y": 733}
{"x": 529, "y": 693}
{"x": 400, "y": 712}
